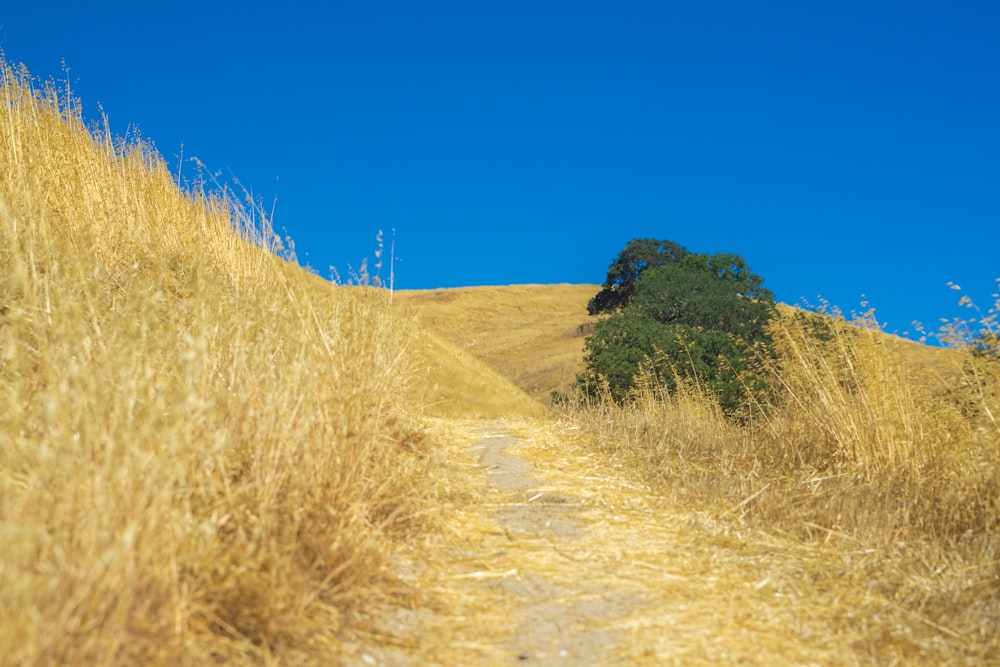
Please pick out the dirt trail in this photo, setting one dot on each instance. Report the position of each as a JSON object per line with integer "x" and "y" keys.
{"x": 556, "y": 623}
{"x": 554, "y": 559}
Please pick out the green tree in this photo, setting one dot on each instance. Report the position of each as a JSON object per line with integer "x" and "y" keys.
{"x": 702, "y": 317}
{"x": 707, "y": 293}
{"x": 623, "y": 274}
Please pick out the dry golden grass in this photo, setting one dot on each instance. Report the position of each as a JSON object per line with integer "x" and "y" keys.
{"x": 205, "y": 452}
{"x": 457, "y": 384}
{"x": 593, "y": 563}
{"x": 888, "y": 481}
{"x": 208, "y": 455}
{"x": 856, "y": 524}
{"x": 531, "y": 334}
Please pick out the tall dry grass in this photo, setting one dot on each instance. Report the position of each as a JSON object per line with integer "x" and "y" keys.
{"x": 882, "y": 449}
{"x": 204, "y": 451}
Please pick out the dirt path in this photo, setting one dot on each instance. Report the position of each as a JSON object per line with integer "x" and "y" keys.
{"x": 557, "y": 622}
{"x": 551, "y": 558}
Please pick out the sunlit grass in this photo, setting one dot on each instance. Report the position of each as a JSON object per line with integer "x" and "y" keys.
{"x": 531, "y": 334}
{"x": 875, "y": 445}
{"x": 203, "y": 449}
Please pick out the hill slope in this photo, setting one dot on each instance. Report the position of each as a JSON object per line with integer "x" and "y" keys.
{"x": 532, "y": 334}
{"x": 456, "y": 383}
{"x": 205, "y": 452}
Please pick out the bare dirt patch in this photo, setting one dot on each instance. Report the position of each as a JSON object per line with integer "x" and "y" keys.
{"x": 529, "y": 512}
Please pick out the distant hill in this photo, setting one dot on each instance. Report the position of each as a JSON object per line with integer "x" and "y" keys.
{"x": 531, "y": 334}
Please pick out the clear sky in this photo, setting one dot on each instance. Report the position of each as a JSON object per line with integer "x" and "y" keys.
{"x": 843, "y": 148}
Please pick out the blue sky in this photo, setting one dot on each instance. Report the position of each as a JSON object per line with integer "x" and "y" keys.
{"x": 842, "y": 148}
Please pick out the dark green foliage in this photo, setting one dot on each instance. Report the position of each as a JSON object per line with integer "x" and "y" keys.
{"x": 638, "y": 256}
{"x": 619, "y": 344}
{"x": 700, "y": 317}
{"x": 706, "y": 293}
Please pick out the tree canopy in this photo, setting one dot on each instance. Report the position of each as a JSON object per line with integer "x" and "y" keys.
{"x": 637, "y": 256}
{"x": 696, "y": 316}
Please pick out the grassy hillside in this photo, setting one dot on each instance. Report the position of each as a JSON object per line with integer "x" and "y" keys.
{"x": 458, "y": 384}
{"x": 532, "y": 334}
{"x": 879, "y": 450}
{"x": 205, "y": 452}
{"x": 879, "y": 455}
